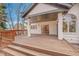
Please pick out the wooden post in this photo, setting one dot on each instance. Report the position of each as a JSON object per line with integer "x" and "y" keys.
{"x": 60, "y": 26}
{"x": 28, "y": 28}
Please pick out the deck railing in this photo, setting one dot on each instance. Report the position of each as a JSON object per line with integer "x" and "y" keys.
{"x": 7, "y": 37}
{"x": 21, "y": 32}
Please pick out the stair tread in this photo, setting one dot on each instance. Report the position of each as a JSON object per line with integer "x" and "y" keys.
{"x": 15, "y": 53}
{"x": 27, "y": 50}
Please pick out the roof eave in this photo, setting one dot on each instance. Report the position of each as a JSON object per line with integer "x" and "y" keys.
{"x": 33, "y": 5}
{"x": 26, "y": 13}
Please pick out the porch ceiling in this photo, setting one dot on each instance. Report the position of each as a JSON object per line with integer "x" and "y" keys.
{"x": 52, "y": 11}
{"x": 44, "y": 17}
{"x": 61, "y": 5}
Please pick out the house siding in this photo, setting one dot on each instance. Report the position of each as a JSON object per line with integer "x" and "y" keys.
{"x": 52, "y": 27}
{"x": 70, "y": 36}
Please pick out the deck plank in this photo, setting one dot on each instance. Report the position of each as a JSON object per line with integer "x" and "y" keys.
{"x": 50, "y": 43}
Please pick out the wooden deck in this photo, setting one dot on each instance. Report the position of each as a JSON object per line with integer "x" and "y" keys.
{"x": 50, "y": 43}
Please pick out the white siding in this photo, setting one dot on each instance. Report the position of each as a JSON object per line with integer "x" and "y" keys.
{"x": 52, "y": 27}
{"x": 36, "y": 31}
{"x": 73, "y": 37}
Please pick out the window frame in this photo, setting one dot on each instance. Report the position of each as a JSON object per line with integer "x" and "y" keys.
{"x": 68, "y": 24}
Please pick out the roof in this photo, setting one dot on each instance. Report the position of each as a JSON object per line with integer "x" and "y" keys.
{"x": 33, "y": 5}
{"x": 55, "y": 4}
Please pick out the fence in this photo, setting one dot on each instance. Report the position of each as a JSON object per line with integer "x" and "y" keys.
{"x": 7, "y": 37}
{"x": 21, "y": 32}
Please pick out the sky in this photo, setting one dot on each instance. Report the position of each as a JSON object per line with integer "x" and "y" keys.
{"x": 13, "y": 10}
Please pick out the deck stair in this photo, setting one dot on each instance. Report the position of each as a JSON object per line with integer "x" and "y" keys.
{"x": 16, "y": 49}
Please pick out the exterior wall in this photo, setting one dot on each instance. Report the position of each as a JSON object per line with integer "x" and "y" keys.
{"x": 36, "y": 31}
{"x": 73, "y": 37}
{"x": 52, "y": 27}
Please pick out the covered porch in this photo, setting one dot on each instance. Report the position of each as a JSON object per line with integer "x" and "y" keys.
{"x": 65, "y": 26}
{"x": 45, "y": 19}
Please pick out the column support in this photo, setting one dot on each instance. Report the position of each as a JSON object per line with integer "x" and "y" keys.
{"x": 28, "y": 28}
{"x": 60, "y": 26}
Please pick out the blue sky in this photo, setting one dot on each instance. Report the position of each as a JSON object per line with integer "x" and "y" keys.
{"x": 12, "y": 10}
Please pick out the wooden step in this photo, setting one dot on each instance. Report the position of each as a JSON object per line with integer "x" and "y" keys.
{"x": 47, "y": 52}
{"x": 5, "y": 43}
{"x": 12, "y": 52}
{"x": 2, "y": 53}
{"x": 27, "y": 51}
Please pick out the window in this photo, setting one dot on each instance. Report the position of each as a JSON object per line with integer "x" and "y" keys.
{"x": 69, "y": 23}
{"x": 65, "y": 26}
{"x": 72, "y": 26}
{"x": 33, "y": 26}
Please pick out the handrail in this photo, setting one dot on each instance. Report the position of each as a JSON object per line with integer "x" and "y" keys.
{"x": 7, "y": 37}
{"x": 19, "y": 32}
